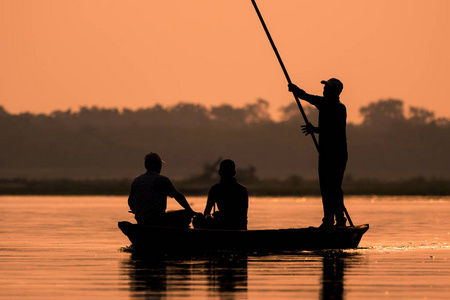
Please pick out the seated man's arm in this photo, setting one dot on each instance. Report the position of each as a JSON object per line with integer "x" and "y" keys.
{"x": 131, "y": 201}
{"x": 209, "y": 206}
{"x": 173, "y": 192}
{"x": 182, "y": 200}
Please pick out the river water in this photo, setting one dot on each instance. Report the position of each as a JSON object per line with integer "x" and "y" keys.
{"x": 71, "y": 248}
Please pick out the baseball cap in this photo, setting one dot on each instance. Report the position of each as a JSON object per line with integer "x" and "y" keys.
{"x": 334, "y": 83}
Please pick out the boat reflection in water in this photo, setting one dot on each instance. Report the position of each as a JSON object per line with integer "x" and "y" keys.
{"x": 292, "y": 275}
{"x": 168, "y": 277}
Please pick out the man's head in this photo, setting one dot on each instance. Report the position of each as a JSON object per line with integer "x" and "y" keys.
{"x": 153, "y": 162}
{"x": 332, "y": 87}
{"x": 227, "y": 168}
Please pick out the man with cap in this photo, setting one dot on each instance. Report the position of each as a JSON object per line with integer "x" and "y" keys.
{"x": 148, "y": 197}
{"x": 332, "y": 147}
{"x": 231, "y": 198}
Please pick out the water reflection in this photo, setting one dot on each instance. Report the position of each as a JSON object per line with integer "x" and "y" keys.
{"x": 226, "y": 276}
{"x": 147, "y": 277}
{"x": 164, "y": 277}
{"x": 333, "y": 266}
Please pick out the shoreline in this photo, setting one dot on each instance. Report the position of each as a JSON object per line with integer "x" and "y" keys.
{"x": 273, "y": 187}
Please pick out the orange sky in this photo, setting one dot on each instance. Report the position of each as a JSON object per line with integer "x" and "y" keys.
{"x": 60, "y": 54}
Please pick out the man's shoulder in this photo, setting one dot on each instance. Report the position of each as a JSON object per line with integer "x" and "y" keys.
{"x": 139, "y": 178}
{"x": 162, "y": 180}
{"x": 241, "y": 186}
{"x": 333, "y": 106}
{"x": 340, "y": 104}
{"x": 159, "y": 176}
{"x": 151, "y": 176}
{"x": 342, "y": 108}
{"x": 215, "y": 187}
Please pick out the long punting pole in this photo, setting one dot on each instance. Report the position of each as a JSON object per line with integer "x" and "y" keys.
{"x": 284, "y": 69}
{"x": 289, "y": 81}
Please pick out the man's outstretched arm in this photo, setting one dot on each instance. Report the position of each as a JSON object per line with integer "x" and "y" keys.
{"x": 299, "y": 93}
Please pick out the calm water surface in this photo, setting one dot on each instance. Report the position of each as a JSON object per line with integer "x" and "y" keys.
{"x": 70, "y": 247}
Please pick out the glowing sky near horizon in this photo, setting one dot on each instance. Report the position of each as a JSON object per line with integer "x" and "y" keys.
{"x": 63, "y": 54}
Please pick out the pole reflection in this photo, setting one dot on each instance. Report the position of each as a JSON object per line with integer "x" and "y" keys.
{"x": 333, "y": 266}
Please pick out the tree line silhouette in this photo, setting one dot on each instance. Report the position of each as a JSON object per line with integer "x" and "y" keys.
{"x": 107, "y": 143}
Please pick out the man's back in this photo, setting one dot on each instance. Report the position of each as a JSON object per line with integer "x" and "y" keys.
{"x": 148, "y": 196}
{"x": 332, "y": 126}
{"x": 232, "y": 202}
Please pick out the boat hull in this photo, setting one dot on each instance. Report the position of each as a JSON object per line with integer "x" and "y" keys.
{"x": 172, "y": 239}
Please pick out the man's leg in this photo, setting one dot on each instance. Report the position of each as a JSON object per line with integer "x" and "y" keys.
{"x": 339, "y": 193}
{"x": 326, "y": 189}
{"x": 339, "y": 207}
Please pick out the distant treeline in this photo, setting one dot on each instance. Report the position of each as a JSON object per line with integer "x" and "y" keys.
{"x": 292, "y": 186}
{"x": 105, "y": 144}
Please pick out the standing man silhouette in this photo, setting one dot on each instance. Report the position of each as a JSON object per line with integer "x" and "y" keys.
{"x": 333, "y": 153}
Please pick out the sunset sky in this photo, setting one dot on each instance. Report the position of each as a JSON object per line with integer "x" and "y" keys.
{"x": 61, "y": 54}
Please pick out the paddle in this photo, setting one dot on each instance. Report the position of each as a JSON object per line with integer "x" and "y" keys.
{"x": 289, "y": 82}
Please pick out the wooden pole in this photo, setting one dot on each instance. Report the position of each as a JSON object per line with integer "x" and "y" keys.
{"x": 284, "y": 69}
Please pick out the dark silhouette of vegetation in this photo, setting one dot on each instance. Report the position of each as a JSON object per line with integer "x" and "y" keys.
{"x": 108, "y": 144}
{"x": 291, "y": 186}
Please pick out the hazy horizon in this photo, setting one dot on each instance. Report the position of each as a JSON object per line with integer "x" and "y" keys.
{"x": 390, "y": 143}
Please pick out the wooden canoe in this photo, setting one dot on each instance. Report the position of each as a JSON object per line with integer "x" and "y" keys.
{"x": 173, "y": 239}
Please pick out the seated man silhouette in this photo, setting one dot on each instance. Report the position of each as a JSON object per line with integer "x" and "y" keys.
{"x": 148, "y": 197}
{"x": 231, "y": 198}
